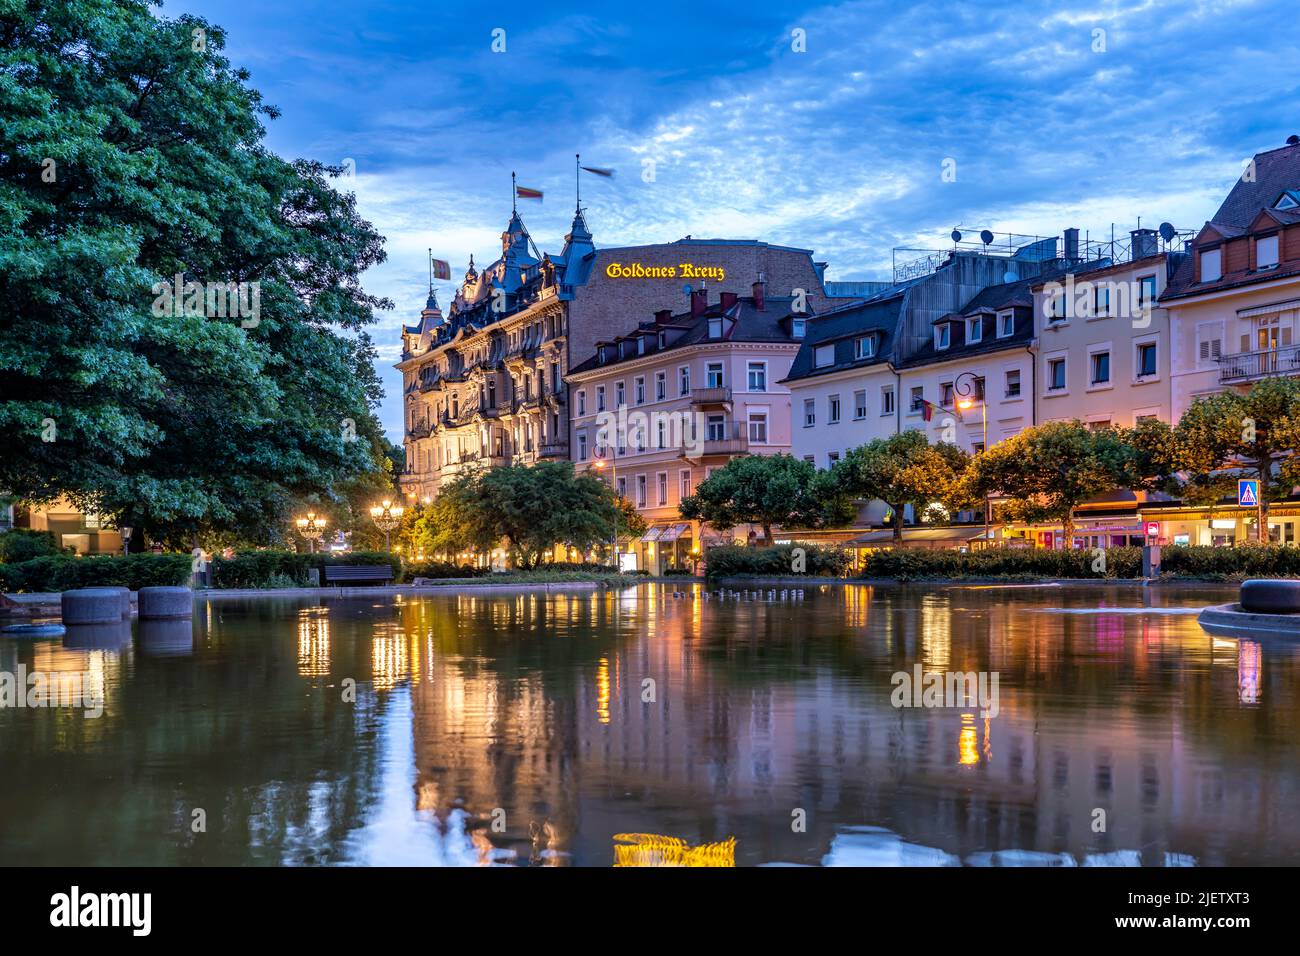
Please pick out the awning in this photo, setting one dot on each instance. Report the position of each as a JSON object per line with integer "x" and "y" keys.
{"x": 886, "y": 536}
{"x": 652, "y": 535}
{"x": 675, "y": 532}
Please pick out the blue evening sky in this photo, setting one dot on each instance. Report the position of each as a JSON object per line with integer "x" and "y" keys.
{"x": 838, "y": 149}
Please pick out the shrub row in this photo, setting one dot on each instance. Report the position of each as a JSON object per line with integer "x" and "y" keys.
{"x": 265, "y": 569}
{"x": 23, "y": 544}
{"x": 1200, "y": 561}
{"x": 730, "y": 560}
{"x": 64, "y": 572}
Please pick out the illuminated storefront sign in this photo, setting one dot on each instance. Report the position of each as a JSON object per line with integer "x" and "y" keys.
{"x": 683, "y": 270}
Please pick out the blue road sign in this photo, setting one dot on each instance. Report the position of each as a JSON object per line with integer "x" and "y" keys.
{"x": 1248, "y": 492}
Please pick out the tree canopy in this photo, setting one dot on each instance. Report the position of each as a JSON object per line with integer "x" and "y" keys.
{"x": 900, "y": 470}
{"x": 132, "y": 153}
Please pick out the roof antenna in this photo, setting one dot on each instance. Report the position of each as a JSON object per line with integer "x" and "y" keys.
{"x": 577, "y": 179}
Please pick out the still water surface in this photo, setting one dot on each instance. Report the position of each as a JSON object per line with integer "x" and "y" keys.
{"x": 521, "y": 729}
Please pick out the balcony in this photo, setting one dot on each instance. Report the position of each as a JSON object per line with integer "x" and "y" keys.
{"x": 1251, "y": 366}
{"x": 421, "y": 430}
{"x": 553, "y": 450}
{"x": 703, "y": 397}
{"x": 729, "y": 440}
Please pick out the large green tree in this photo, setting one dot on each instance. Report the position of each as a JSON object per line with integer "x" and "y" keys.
{"x": 767, "y": 490}
{"x": 1048, "y": 470}
{"x": 131, "y": 152}
{"x": 903, "y": 469}
{"x": 1222, "y": 438}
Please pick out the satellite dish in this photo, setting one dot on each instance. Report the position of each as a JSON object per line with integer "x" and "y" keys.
{"x": 686, "y": 289}
{"x": 956, "y": 235}
{"x": 1292, "y": 140}
{"x": 986, "y": 237}
{"x": 1167, "y": 231}
{"x": 1010, "y": 276}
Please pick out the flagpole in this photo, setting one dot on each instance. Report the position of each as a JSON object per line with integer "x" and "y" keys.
{"x": 514, "y": 193}
{"x": 577, "y": 179}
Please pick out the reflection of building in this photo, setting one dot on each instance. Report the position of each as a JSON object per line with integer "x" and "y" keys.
{"x": 666, "y": 403}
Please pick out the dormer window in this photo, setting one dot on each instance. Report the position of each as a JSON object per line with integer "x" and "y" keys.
{"x": 715, "y": 328}
{"x": 824, "y": 356}
{"x": 974, "y": 330}
{"x": 1288, "y": 200}
{"x": 1266, "y": 252}
{"x": 602, "y": 355}
{"x": 1211, "y": 265}
{"x": 865, "y": 347}
{"x": 942, "y": 335}
{"x": 663, "y": 340}
{"x": 798, "y": 328}
{"x": 640, "y": 345}
{"x": 1006, "y": 324}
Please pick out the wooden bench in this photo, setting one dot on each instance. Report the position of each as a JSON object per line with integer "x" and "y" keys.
{"x": 351, "y": 573}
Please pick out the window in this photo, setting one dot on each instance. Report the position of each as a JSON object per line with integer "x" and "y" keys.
{"x": 798, "y": 328}
{"x": 946, "y": 394}
{"x": 860, "y": 404}
{"x": 758, "y": 427}
{"x": 1146, "y": 359}
{"x": 640, "y": 491}
{"x": 716, "y": 428}
{"x": 824, "y": 355}
{"x": 1101, "y": 300}
{"x": 1055, "y": 307}
{"x": 974, "y": 330}
{"x": 1146, "y": 291}
{"x": 600, "y": 398}
{"x": 1013, "y": 383}
{"x": 684, "y": 380}
{"x": 582, "y": 401}
{"x": 865, "y": 347}
{"x": 1209, "y": 349}
{"x": 1266, "y": 252}
{"x": 620, "y": 395}
{"x": 601, "y": 355}
{"x": 834, "y": 405}
{"x": 832, "y": 458}
{"x": 663, "y": 340}
{"x": 713, "y": 375}
{"x": 809, "y": 413}
{"x": 661, "y": 386}
{"x": 811, "y": 459}
{"x": 1006, "y": 324}
{"x": 1100, "y": 367}
{"x": 887, "y": 400}
{"x": 1211, "y": 265}
{"x": 941, "y": 336}
{"x": 758, "y": 376}
{"x": 640, "y": 390}
{"x": 1056, "y": 375}
{"x": 918, "y": 398}
{"x": 640, "y": 345}
{"x": 663, "y": 487}
{"x": 622, "y": 487}
{"x": 661, "y": 431}
{"x": 582, "y": 446}
{"x": 684, "y": 483}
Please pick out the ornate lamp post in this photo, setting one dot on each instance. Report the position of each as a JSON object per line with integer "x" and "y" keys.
{"x": 967, "y": 385}
{"x": 125, "y": 531}
{"x": 312, "y": 528}
{"x": 387, "y": 516}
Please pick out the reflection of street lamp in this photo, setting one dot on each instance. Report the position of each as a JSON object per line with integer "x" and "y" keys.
{"x": 387, "y": 516}
{"x": 613, "y": 483}
{"x": 125, "y": 531}
{"x": 312, "y": 528}
{"x": 967, "y": 390}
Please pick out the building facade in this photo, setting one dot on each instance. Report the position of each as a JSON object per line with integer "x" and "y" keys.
{"x": 657, "y": 409}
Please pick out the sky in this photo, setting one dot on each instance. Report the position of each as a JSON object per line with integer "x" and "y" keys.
{"x": 827, "y": 127}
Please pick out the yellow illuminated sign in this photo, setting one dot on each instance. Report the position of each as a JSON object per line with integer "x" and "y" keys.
{"x": 683, "y": 270}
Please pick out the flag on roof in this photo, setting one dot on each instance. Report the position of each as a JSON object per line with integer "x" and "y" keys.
{"x": 523, "y": 192}
{"x": 599, "y": 171}
{"x": 441, "y": 268}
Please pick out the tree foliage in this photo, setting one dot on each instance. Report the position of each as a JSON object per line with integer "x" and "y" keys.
{"x": 903, "y": 469}
{"x": 131, "y": 151}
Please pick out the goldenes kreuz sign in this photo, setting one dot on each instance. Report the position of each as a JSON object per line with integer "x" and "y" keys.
{"x": 683, "y": 270}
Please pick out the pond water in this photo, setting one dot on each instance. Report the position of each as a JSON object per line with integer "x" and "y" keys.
{"x": 600, "y": 728}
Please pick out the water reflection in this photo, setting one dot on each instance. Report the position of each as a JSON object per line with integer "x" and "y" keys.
{"x": 490, "y": 729}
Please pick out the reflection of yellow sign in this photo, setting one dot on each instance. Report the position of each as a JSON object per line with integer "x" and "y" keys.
{"x": 683, "y": 270}
{"x": 651, "y": 849}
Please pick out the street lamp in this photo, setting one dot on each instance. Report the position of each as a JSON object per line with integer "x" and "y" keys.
{"x": 966, "y": 385}
{"x": 125, "y": 531}
{"x": 312, "y": 528}
{"x": 387, "y": 516}
{"x": 613, "y": 483}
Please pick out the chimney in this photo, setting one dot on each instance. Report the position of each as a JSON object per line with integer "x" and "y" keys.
{"x": 699, "y": 302}
{"x": 1144, "y": 242}
{"x": 728, "y": 300}
{"x": 1072, "y": 245}
{"x": 760, "y": 293}
{"x": 662, "y": 316}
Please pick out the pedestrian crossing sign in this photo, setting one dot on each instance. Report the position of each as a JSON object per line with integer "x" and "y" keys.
{"x": 1248, "y": 492}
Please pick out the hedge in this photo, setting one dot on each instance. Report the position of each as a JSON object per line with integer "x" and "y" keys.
{"x": 23, "y": 544}
{"x": 1199, "y": 561}
{"x": 731, "y": 560}
{"x": 265, "y": 569}
{"x": 64, "y": 572}
{"x": 440, "y": 569}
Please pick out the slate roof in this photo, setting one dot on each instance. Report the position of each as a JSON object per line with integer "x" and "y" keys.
{"x": 843, "y": 326}
{"x": 1276, "y": 171}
